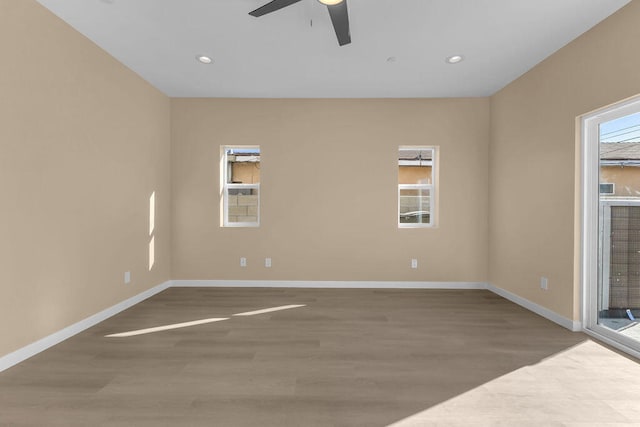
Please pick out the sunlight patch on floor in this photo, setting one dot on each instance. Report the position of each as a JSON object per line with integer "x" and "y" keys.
{"x": 200, "y": 322}
{"x": 269, "y": 310}
{"x": 166, "y": 327}
{"x": 587, "y": 385}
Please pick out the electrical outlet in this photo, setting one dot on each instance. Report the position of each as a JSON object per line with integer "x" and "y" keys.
{"x": 243, "y": 262}
{"x": 267, "y": 262}
{"x": 544, "y": 283}
{"x": 127, "y": 277}
{"x": 414, "y": 263}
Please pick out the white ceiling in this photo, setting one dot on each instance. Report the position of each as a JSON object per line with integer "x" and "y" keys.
{"x": 398, "y": 47}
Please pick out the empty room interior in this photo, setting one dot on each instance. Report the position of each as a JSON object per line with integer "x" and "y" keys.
{"x": 320, "y": 213}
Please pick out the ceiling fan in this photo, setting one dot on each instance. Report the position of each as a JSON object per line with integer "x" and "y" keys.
{"x": 337, "y": 11}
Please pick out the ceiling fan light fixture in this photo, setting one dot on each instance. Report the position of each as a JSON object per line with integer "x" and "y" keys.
{"x": 337, "y": 9}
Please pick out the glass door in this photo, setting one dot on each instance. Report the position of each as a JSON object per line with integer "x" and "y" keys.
{"x": 612, "y": 224}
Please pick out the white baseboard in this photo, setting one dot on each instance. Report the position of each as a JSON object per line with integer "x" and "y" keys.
{"x": 572, "y": 325}
{"x": 325, "y": 284}
{"x": 32, "y": 349}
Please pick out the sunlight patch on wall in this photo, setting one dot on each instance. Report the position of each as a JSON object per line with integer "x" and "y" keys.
{"x": 152, "y": 226}
{"x": 152, "y": 252}
{"x": 152, "y": 213}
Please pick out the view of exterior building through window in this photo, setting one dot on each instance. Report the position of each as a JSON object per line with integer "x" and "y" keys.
{"x": 416, "y": 186}
{"x": 241, "y": 186}
{"x": 619, "y": 218}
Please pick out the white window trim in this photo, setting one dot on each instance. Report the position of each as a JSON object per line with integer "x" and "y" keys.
{"x": 226, "y": 186}
{"x": 433, "y": 188}
{"x": 590, "y": 217}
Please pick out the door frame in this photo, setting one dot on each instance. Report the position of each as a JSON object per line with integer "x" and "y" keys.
{"x": 590, "y": 221}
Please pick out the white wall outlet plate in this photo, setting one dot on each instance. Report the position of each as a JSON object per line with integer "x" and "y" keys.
{"x": 243, "y": 262}
{"x": 127, "y": 277}
{"x": 544, "y": 283}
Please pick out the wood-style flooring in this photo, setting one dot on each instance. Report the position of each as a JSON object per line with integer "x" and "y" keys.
{"x": 348, "y": 357}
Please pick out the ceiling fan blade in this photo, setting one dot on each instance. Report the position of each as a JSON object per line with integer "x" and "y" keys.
{"x": 272, "y": 7}
{"x": 340, "y": 20}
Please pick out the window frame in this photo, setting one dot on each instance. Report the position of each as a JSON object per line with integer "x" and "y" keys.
{"x": 432, "y": 188}
{"x": 225, "y": 186}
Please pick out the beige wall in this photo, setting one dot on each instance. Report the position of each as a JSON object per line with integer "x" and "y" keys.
{"x": 336, "y": 161}
{"x": 533, "y": 124}
{"x": 83, "y": 144}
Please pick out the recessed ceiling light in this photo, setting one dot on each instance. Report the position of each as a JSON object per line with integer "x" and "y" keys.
{"x": 330, "y": 2}
{"x": 454, "y": 59}
{"x": 204, "y": 59}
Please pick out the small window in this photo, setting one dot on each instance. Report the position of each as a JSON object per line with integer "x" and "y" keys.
{"x": 240, "y": 186}
{"x": 416, "y": 186}
{"x": 607, "y": 188}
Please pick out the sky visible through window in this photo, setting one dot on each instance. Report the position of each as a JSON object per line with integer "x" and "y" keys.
{"x": 236, "y": 150}
{"x": 624, "y": 129}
